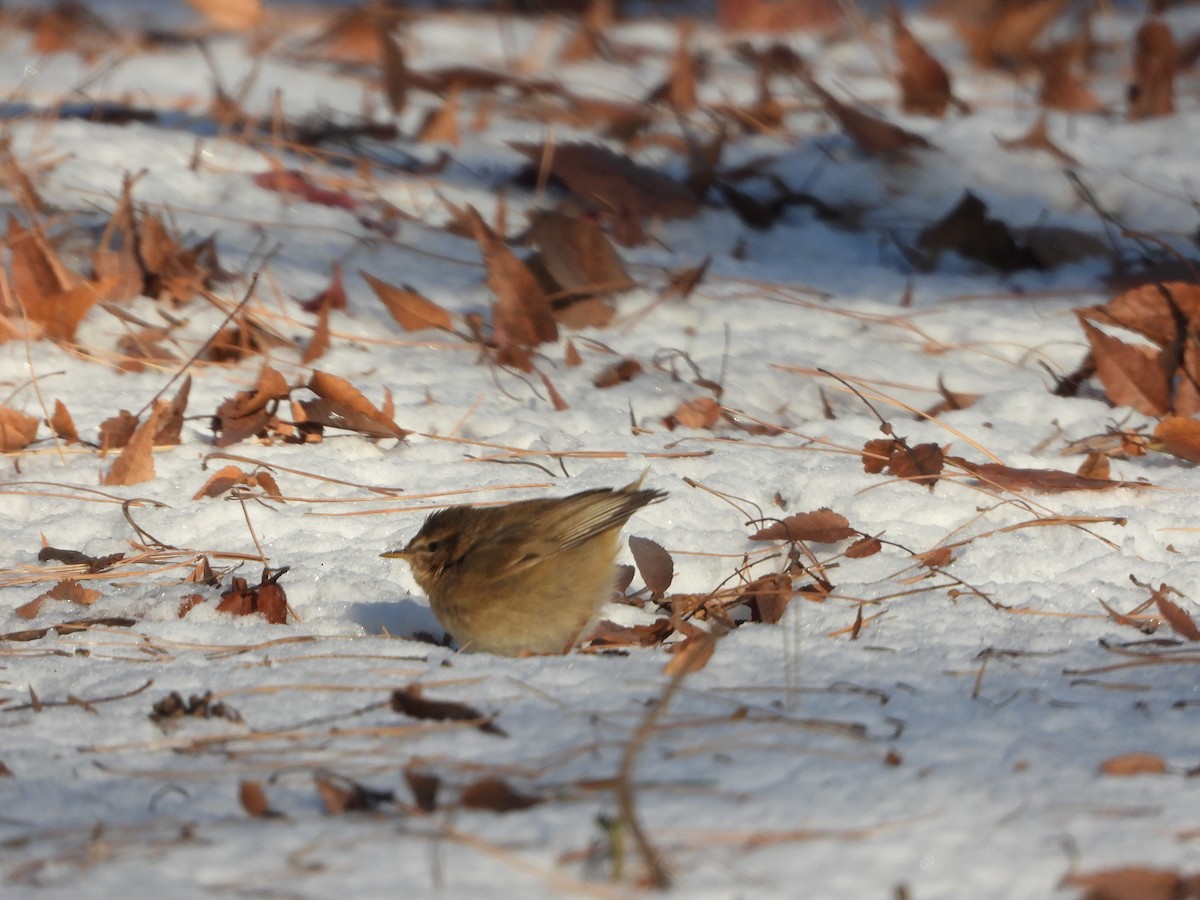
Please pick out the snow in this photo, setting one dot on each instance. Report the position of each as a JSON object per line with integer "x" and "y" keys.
{"x": 952, "y": 748}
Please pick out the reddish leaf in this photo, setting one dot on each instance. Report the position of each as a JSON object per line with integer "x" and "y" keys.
{"x": 254, "y": 800}
{"x": 521, "y": 314}
{"x": 1178, "y": 436}
{"x": 295, "y": 183}
{"x": 622, "y": 370}
{"x": 1181, "y": 623}
{"x": 1155, "y": 59}
{"x": 924, "y": 84}
{"x": 1128, "y": 883}
{"x": 136, "y": 462}
{"x": 412, "y": 702}
{"x": 873, "y": 136}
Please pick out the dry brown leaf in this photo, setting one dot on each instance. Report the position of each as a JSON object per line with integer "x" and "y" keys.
{"x": 691, "y": 654}
{"x": 970, "y": 232}
{"x": 346, "y": 407}
{"x": 221, "y": 481}
{"x": 624, "y": 369}
{"x": 234, "y": 15}
{"x": 411, "y": 311}
{"x": 424, "y": 787}
{"x": 17, "y": 430}
{"x": 773, "y": 16}
{"x": 391, "y": 56}
{"x": 1132, "y": 374}
{"x": 1155, "y": 59}
{"x": 821, "y": 526}
{"x": 319, "y": 342}
{"x": 60, "y": 423}
{"x": 681, "y": 283}
{"x": 1062, "y": 89}
{"x": 170, "y": 428}
{"x": 1178, "y": 436}
{"x": 1038, "y": 138}
{"x": 922, "y": 463}
{"x": 654, "y": 564}
{"x": 441, "y": 125}
{"x": 924, "y": 83}
{"x": 1095, "y": 466}
{"x": 1127, "y": 883}
{"x": 495, "y": 795}
{"x": 521, "y": 315}
{"x": 571, "y": 357}
{"x": 267, "y": 598}
{"x": 1134, "y": 764}
{"x": 873, "y": 136}
{"x": 767, "y": 598}
{"x": 136, "y": 462}
{"x": 412, "y": 702}
{"x": 1007, "y": 36}
{"x": 577, "y": 254}
{"x": 115, "y": 256}
{"x": 1179, "y": 620}
{"x": 864, "y": 547}
{"x": 254, "y": 799}
{"x": 702, "y": 412}
{"x": 333, "y": 296}
{"x": 1050, "y": 481}
{"x": 1152, "y": 310}
{"x": 612, "y": 184}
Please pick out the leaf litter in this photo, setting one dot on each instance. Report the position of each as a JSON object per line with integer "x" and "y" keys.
{"x": 696, "y": 202}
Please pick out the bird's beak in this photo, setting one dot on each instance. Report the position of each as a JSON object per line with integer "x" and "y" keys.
{"x": 396, "y": 554}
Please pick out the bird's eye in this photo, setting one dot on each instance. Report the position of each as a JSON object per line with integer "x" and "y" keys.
{"x": 432, "y": 546}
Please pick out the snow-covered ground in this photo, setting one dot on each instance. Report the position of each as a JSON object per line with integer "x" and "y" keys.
{"x": 948, "y": 746}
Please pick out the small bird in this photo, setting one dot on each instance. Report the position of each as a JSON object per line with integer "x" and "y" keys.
{"x": 525, "y": 577}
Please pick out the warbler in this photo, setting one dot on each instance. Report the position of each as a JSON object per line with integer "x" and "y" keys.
{"x": 525, "y": 577}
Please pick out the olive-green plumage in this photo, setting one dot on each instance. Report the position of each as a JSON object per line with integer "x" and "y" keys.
{"x": 525, "y": 577}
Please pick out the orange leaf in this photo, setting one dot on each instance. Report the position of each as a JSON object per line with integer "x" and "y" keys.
{"x": 348, "y": 408}
{"x": 1134, "y": 764}
{"x": 17, "y": 430}
{"x": 1181, "y": 623}
{"x": 1178, "y": 436}
{"x": 1132, "y": 374}
{"x": 411, "y": 311}
{"x": 821, "y": 526}
{"x": 136, "y": 462}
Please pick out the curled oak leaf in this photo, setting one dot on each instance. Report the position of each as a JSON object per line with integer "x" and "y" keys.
{"x": 654, "y": 564}
{"x": 411, "y": 701}
{"x": 1134, "y": 764}
{"x": 1155, "y": 59}
{"x": 1132, "y": 374}
{"x": 17, "y": 430}
{"x": 820, "y": 526}
{"x": 495, "y": 795}
{"x": 924, "y": 83}
{"x": 1178, "y": 436}
{"x": 411, "y": 311}
{"x": 345, "y": 407}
